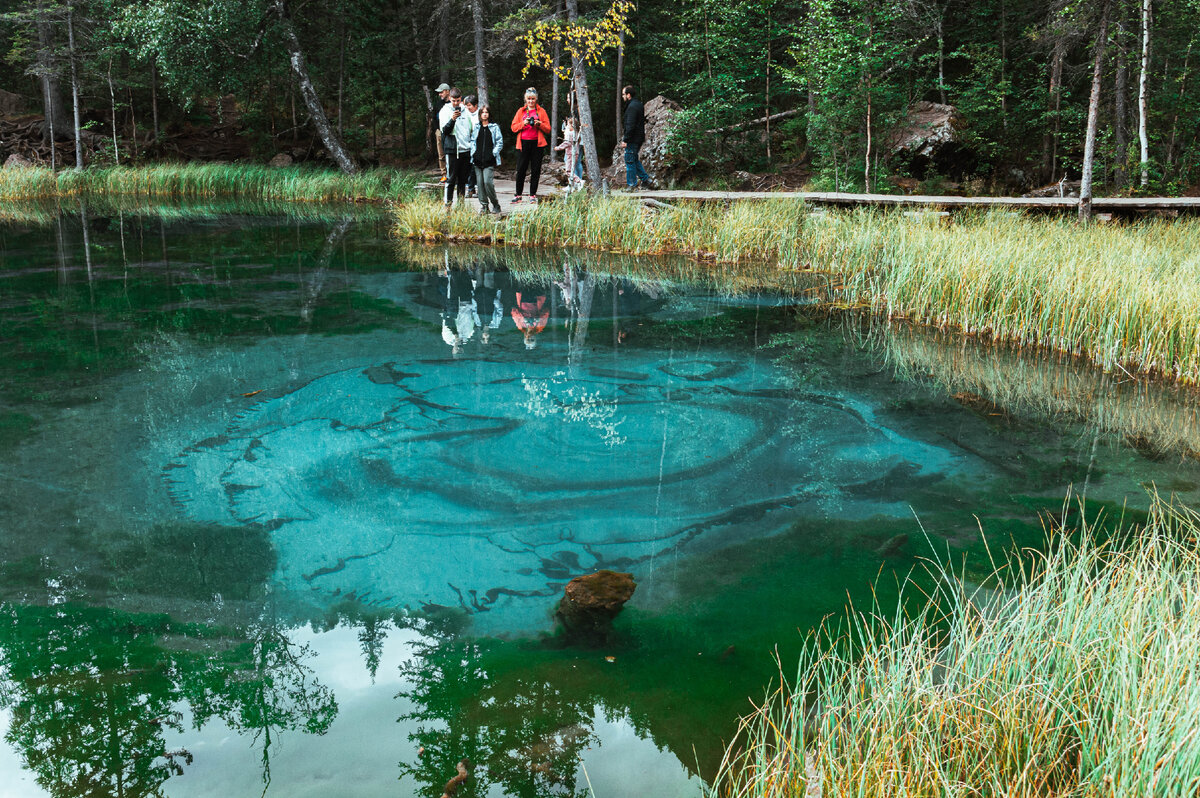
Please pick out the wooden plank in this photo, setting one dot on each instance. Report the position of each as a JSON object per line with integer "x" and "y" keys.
{"x": 927, "y": 201}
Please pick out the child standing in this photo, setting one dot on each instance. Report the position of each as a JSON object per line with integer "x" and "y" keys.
{"x": 486, "y": 144}
{"x": 571, "y": 156}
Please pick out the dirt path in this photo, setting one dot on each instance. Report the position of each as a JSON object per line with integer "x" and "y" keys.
{"x": 506, "y": 188}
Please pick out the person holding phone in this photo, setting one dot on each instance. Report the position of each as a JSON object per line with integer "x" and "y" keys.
{"x": 456, "y": 167}
{"x": 531, "y": 123}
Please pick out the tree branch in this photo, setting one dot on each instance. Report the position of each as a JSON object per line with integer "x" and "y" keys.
{"x": 757, "y": 122}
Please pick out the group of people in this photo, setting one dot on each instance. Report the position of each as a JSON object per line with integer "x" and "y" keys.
{"x": 470, "y": 145}
{"x": 479, "y": 300}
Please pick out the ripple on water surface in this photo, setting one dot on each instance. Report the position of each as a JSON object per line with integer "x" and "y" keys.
{"x": 486, "y": 485}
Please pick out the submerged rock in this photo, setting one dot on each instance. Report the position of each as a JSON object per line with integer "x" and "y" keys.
{"x": 590, "y": 604}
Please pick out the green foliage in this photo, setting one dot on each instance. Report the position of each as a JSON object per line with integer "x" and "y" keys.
{"x": 848, "y": 69}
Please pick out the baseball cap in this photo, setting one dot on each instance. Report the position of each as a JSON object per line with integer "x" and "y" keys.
{"x": 443, "y": 87}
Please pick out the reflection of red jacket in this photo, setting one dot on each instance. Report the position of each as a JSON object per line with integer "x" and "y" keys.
{"x": 543, "y": 124}
{"x": 531, "y": 315}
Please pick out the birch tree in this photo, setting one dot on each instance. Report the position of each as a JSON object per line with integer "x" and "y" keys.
{"x": 1143, "y": 97}
{"x": 585, "y": 44}
{"x": 1089, "y": 145}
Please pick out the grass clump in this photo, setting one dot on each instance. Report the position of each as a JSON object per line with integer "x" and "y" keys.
{"x": 197, "y": 180}
{"x": 1126, "y": 297}
{"x": 1078, "y": 675}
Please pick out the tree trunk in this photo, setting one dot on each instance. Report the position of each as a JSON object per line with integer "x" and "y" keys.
{"x": 419, "y": 63}
{"x": 53, "y": 107}
{"x": 308, "y": 93}
{"x": 867, "y": 158}
{"x": 444, "y": 42}
{"x": 1089, "y": 142}
{"x": 1183, "y": 78}
{"x": 1143, "y": 106}
{"x": 1050, "y": 141}
{"x": 620, "y": 85}
{"x": 941, "y": 39}
{"x": 112, "y": 99}
{"x": 767, "y": 97}
{"x": 74, "y": 84}
{"x": 1120, "y": 102}
{"x": 586, "y": 130}
{"x": 554, "y": 90}
{"x": 154, "y": 94}
{"x": 1003, "y": 65}
{"x": 481, "y": 89}
{"x": 342, "y": 75}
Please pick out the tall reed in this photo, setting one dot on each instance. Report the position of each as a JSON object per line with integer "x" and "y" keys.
{"x": 198, "y": 180}
{"x": 1126, "y": 297}
{"x": 1077, "y": 675}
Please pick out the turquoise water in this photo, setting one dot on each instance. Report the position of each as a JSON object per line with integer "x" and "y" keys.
{"x": 286, "y": 507}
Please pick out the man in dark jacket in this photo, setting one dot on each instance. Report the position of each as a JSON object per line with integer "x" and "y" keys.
{"x": 633, "y": 138}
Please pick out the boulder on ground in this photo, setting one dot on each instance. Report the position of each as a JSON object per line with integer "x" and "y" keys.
{"x": 660, "y": 115}
{"x": 590, "y": 604}
{"x": 930, "y": 138}
{"x": 281, "y": 159}
{"x": 11, "y": 104}
{"x": 16, "y": 161}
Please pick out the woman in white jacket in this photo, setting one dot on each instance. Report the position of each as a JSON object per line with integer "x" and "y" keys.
{"x": 486, "y": 143}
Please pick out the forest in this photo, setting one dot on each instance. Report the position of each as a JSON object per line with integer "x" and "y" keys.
{"x": 815, "y": 90}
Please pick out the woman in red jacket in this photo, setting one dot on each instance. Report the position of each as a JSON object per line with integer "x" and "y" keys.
{"x": 531, "y": 123}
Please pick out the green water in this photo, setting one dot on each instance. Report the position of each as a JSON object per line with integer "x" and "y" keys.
{"x": 285, "y": 509}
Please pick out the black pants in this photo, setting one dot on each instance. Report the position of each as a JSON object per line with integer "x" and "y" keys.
{"x": 458, "y": 166}
{"x": 529, "y": 158}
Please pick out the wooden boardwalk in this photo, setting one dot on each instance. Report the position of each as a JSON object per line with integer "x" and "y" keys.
{"x": 917, "y": 202}
{"x": 1101, "y": 205}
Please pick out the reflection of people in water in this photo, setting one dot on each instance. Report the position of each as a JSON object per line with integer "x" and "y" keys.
{"x": 488, "y": 304}
{"x": 531, "y": 312}
{"x": 459, "y": 317}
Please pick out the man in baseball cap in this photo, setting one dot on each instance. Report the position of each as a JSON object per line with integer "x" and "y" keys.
{"x": 443, "y": 91}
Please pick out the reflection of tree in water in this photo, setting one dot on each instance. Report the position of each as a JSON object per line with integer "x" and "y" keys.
{"x": 93, "y": 691}
{"x": 262, "y": 687}
{"x": 90, "y": 694}
{"x": 520, "y": 733}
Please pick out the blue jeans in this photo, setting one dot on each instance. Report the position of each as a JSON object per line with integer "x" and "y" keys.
{"x": 633, "y": 167}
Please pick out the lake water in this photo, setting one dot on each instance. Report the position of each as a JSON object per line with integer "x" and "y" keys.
{"x": 288, "y": 505}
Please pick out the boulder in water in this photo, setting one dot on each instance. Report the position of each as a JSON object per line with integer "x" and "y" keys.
{"x": 590, "y": 604}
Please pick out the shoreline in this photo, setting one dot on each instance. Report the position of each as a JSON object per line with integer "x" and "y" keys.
{"x": 1124, "y": 297}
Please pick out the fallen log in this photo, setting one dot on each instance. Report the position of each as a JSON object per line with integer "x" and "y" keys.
{"x": 756, "y": 122}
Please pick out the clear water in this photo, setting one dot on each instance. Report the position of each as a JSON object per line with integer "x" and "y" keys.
{"x": 286, "y": 509}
